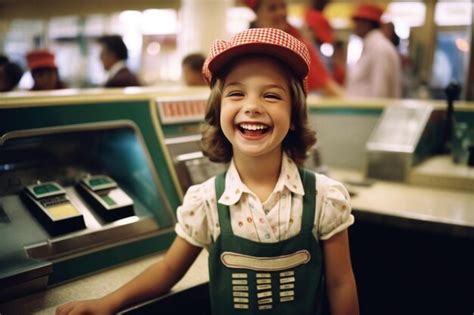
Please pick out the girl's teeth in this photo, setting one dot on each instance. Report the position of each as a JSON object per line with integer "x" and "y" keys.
{"x": 252, "y": 127}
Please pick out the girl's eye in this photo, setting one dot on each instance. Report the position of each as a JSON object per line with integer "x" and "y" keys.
{"x": 273, "y": 96}
{"x": 234, "y": 94}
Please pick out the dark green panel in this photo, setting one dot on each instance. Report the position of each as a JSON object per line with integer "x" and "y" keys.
{"x": 183, "y": 129}
{"x": 347, "y": 111}
{"x": 467, "y": 117}
{"x": 58, "y": 115}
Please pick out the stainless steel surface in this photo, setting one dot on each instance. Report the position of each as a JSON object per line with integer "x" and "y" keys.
{"x": 447, "y": 211}
{"x": 390, "y": 148}
{"x": 124, "y": 230}
{"x": 388, "y": 165}
{"x": 182, "y": 145}
{"x": 194, "y": 168}
{"x": 191, "y": 166}
{"x": 342, "y": 137}
{"x": 22, "y": 234}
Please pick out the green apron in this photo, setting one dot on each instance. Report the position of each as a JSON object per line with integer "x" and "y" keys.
{"x": 248, "y": 277}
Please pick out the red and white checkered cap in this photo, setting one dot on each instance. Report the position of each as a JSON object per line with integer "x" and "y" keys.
{"x": 267, "y": 41}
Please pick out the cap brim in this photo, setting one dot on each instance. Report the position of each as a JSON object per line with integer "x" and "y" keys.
{"x": 287, "y": 56}
{"x": 38, "y": 65}
{"x": 365, "y": 17}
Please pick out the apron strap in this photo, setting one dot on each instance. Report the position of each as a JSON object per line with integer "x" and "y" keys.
{"x": 222, "y": 210}
{"x": 309, "y": 199}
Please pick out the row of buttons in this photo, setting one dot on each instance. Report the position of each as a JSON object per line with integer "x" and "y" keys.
{"x": 240, "y": 289}
{"x": 53, "y": 201}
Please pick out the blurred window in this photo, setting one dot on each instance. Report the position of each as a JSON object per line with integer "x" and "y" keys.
{"x": 453, "y": 21}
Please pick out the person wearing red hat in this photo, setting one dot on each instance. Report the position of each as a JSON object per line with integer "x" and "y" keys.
{"x": 273, "y": 13}
{"x": 377, "y": 73}
{"x": 43, "y": 70}
{"x": 320, "y": 32}
{"x": 319, "y": 26}
{"x": 268, "y": 223}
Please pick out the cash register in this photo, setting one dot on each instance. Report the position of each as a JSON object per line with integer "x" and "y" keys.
{"x": 72, "y": 194}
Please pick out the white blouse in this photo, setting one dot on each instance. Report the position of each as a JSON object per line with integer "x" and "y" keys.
{"x": 276, "y": 219}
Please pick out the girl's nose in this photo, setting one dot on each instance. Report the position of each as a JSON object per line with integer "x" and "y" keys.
{"x": 252, "y": 108}
{"x": 252, "y": 111}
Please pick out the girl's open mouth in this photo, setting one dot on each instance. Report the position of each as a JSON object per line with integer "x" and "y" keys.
{"x": 253, "y": 130}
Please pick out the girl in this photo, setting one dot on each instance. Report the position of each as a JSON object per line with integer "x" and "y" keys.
{"x": 276, "y": 234}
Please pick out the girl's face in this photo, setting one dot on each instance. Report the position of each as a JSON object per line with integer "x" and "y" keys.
{"x": 256, "y": 108}
{"x": 272, "y": 13}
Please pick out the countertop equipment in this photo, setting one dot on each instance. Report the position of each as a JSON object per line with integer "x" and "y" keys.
{"x": 390, "y": 150}
{"x": 67, "y": 191}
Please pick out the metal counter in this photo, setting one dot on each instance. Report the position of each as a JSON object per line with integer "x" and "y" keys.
{"x": 414, "y": 207}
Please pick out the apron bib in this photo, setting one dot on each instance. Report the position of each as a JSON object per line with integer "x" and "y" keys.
{"x": 248, "y": 277}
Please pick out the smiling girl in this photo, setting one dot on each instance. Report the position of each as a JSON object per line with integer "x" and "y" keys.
{"x": 276, "y": 233}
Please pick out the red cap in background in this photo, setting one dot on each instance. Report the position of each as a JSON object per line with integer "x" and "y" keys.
{"x": 369, "y": 12}
{"x": 319, "y": 25}
{"x": 40, "y": 59}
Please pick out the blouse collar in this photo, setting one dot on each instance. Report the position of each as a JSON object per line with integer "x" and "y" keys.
{"x": 234, "y": 188}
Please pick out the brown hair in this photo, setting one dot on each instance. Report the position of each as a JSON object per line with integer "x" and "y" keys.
{"x": 297, "y": 142}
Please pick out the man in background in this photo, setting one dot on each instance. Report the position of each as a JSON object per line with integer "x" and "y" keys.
{"x": 191, "y": 67}
{"x": 114, "y": 55}
{"x": 377, "y": 73}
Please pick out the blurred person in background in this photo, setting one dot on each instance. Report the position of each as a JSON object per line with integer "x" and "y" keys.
{"x": 339, "y": 61}
{"x": 273, "y": 13}
{"x": 406, "y": 62}
{"x": 388, "y": 29}
{"x": 320, "y": 32}
{"x": 44, "y": 70}
{"x": 191, "y": 67}
{"x": 10, "y": 74}
{"x": 3, "y": 60}
{"x": 114, "y": 55}
{"x": 377, "y": 73}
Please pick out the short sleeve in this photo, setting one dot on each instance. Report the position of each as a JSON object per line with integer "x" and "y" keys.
{"x": 335, "y": 215}
{"x": 192, "y": 222}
